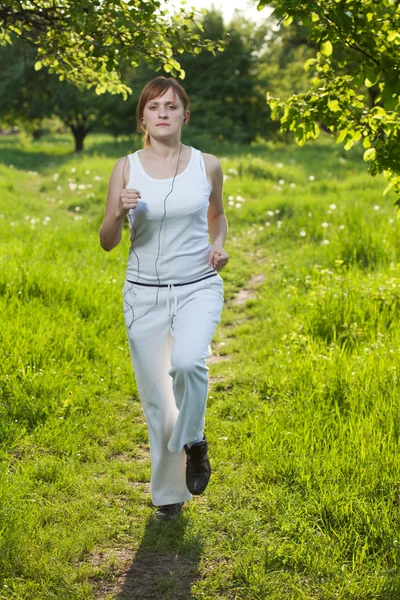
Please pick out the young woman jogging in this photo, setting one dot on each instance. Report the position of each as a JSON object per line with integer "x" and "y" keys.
{"x": 173, "y": 295}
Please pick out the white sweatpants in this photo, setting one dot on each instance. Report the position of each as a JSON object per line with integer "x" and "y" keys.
{"x": 169, "y": 331}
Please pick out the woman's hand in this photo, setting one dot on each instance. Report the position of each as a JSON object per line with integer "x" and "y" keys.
{"x": 128, "y": 200}
{"x": 217, "y": 258}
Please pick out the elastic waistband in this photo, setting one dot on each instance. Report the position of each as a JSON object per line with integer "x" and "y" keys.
{"x": 165, "y": 285}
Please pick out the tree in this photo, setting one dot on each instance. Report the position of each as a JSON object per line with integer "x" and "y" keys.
{"x": 86, "y": 42}
{"x": 28, "y": 97}
{"x": 225, "y": 96}
{"x": 357, "y": 103}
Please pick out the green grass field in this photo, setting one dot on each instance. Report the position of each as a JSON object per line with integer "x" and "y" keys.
{"x": 303, "y": 414}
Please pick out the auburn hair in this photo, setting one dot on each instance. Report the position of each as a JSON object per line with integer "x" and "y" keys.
{"x": 154, "y": 89}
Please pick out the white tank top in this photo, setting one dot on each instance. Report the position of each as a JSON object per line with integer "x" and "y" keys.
{"x": 183, "y": 243}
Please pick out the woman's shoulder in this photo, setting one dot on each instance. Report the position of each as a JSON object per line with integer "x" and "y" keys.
{"x": 123, "y": 160}
{"x": 212, "y": 164}
{"x": 121, "y": 168}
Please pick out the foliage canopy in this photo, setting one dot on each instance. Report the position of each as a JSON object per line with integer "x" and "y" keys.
{"x": 86, "y": 42}
{"x": 355, "y": 86}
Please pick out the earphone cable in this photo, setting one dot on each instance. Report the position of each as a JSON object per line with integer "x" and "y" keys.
{"x": 159, "y": 248}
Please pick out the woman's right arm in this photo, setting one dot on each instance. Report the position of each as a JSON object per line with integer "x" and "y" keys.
{"x": 119, "y": 202}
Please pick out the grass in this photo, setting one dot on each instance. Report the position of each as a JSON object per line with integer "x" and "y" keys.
{"x": 303, "y": 420}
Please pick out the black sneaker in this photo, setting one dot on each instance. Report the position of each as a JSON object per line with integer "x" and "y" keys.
{"x": 198, "y": 468}
{"x": 169, "y": 512}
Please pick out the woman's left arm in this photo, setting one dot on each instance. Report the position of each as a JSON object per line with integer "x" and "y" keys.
{"x": 217, "y": 222}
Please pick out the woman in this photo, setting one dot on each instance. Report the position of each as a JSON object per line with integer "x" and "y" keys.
{"x": 173, "y": 295}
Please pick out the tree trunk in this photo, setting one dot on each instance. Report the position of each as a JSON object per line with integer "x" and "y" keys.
{"x": 37, "y": 133}
{"x": 79, "y": 132}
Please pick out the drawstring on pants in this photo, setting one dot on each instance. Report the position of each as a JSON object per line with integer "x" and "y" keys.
{"x": 171, "y": 288}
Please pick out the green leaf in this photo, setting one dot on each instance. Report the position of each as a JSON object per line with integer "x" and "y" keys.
{"x": 309, "y": 63}
{"x": 326, "y": 48}
{"x": 333, "y": 105}
{"x": 38, "y": 65}
{"x": 379, "y": 112}
{"x": 369, "y": 154}
{"x": 366, "y": 142}
{"x": 387, "y": 189}
{"x": 341, "y": 136}
{"x": 349, "y": 144}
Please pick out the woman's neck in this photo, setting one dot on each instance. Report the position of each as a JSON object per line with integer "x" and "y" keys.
{"x": 164, "y": 150}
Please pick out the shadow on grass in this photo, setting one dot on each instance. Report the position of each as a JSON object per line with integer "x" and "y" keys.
{"x": 166, "y": 563}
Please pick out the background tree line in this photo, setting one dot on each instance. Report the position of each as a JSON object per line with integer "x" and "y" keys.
{"x": 227, "y": 89}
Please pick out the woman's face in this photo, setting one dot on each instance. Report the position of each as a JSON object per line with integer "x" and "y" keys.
{"x": 165, "y": 115}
